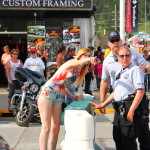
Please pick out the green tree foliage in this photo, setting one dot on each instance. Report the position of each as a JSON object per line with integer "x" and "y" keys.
{"x": 105, "y": 18}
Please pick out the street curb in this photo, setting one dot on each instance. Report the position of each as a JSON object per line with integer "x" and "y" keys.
{"x": 5, "y": 113}
{"x": 97, "y": 111}
{"x": 107, "y": 111}
{"x": 8, "y": 113}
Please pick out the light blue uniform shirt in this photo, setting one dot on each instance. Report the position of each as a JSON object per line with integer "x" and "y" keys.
{"x": 110, "y": 66}
{"x": 130, "y": 79}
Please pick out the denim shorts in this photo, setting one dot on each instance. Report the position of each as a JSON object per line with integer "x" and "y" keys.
{"x": 49, "y": 93}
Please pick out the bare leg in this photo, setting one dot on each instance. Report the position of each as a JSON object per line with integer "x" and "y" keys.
{"x": 9, "y": 102}
{"x": 55, "y": 126}
{"x": 45, "y": 109}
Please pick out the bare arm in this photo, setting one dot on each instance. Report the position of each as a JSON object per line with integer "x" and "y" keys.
{"x": 8, "y": 72}
{"x": 45, "y": 55}
{"x": 135, "y": 104}
{"x": 2, "y": 61}
{"x": 148, "y": 67}
{"x": 69, "y": 94}
{"x": 73, "y": 63}
{"x": 103, "y": 89}
{"x": 59, "y": 60}
{"x": 104, "y": 104}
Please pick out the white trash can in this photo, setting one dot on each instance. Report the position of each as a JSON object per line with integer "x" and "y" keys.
{"x": 80, "y": 130}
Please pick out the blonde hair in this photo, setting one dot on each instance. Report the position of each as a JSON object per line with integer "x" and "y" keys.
{"x": 123, "y": 47}
{"x": 14, "y": 50}
{"x": 38, "y": 45}
{"x": 84, "y": 69}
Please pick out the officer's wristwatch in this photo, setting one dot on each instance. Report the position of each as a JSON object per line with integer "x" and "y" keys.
{"x": 146, "y": 70}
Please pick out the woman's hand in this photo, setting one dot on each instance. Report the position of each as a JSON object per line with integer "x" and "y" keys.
{"x": 78, "y": 97}
{"x": 10, "y": 82}
{"x": 93, "y": 60}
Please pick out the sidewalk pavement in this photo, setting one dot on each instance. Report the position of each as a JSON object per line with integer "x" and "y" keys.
{"x": 26, "y": 138}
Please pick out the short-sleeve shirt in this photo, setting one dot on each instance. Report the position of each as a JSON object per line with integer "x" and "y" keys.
{"x": 111, "y": 66}
{"x": 130, "y": 79}
{"x": 5, "y": 57}
{"x": 34, "y": 64}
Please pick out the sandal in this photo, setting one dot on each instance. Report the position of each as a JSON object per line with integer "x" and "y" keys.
{"x": 10, "y": 109}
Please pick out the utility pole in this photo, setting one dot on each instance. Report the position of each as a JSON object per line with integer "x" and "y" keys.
{"x": 145, "y": 16}
{"x": 115, "y": 18}
{"x": 122, "y": 20}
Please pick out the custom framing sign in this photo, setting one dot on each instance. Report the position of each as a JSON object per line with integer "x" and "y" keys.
{"x": 47, "y": 4}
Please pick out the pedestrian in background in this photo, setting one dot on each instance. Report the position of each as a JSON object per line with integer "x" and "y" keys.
{"x": 70, "y": 55}
{"x": 52, "y": 95}
{"x": 98, "y": 72}
{"x": 60, "y": 58}
{"x": 107, "y": 51}
{"x": 5, "y": 57}
{"x": 127, "y": 95}
{"x": 43, "y": 54}
{"x": 34, "y": 63}
{"x": 89, "y": 76}
{"x": 99, "y": 53}
{"x": 147, "y": 76}
{"x": 111, "y": 66}
{"x": 11, "y": 66}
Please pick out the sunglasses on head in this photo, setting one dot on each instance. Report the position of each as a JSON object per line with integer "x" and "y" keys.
{"x": 32, "y": 52}
{"x": 126, "y": 56}
{"x": 116, "y": 40}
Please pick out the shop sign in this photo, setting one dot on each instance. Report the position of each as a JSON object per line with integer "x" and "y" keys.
{"x": 36, "y": 35}
{"x": 47, "y": 4}
{"x": 134, "y": 15}
{"x": 129, "y": 16}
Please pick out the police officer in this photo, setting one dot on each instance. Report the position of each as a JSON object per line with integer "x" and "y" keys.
{"x": 128, "y": 93}
{"x": 111, "y": 66}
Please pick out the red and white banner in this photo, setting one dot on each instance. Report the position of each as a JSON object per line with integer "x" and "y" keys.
{"x": 128, "y": 16}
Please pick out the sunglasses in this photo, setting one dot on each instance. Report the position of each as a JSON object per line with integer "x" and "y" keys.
{"x": 113, "y": 41}
{"x": 15, "y": 53}
{"x": 86, "y": 55}
{"x": 126, "y": 56}
{"x": 32, "y": 52}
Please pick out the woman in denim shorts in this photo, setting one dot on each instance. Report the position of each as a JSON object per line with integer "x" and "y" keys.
{"x": 52, "y": 95}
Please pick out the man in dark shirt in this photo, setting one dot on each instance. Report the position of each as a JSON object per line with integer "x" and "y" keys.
{"x": 70, "y": 53}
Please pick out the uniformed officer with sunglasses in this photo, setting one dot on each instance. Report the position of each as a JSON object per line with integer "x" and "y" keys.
{"x": 111, "y": 66}
{"x": 127, "y": 95}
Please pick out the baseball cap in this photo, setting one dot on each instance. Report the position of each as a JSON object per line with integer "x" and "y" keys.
{"x": 71, "y": 48}
{"x": 32, "y": 49}
{"x": 113, "y": 34}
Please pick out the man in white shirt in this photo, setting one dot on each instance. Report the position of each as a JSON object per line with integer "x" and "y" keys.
{"x": 34, "y": 63}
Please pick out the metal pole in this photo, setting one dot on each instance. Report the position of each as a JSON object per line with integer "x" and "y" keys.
{"x": 122, "y": 20}
{"x": 115, "y": 18}
{"x": 145, "y": 17}
{"x": 35, "y": 14}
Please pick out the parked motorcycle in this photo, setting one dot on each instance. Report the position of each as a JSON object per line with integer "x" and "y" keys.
{"x": 24, "y": 100}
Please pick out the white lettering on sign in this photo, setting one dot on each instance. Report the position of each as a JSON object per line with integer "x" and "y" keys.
{"x": 134, "y": 2}
{"x": 20, "y": 3}
{"x": 43, "y": 3}
{"x": 134, "y": 16}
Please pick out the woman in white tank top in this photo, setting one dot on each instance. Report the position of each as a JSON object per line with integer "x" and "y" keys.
{"x": 11, "y": 66}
